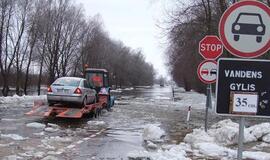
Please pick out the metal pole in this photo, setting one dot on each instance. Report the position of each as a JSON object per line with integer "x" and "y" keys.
{"x": 240, "y": 138}
{"x": 173, "y": 92}
{"x": 208, "y": 105}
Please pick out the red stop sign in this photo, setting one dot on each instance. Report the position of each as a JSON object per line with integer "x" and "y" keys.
{"x": 210, "y": 47}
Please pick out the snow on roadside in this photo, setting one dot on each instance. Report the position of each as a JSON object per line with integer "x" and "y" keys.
{"x": 16, "y": 98}
{"x": 176, "y": 152}
{"x": 214, "y": 143}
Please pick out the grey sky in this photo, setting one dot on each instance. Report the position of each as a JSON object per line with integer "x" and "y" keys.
{"x": 134, "y": 23}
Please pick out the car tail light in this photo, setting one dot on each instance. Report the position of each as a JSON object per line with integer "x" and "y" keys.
{"x": 49, "y": 89}
{"x": 78, "y": 91}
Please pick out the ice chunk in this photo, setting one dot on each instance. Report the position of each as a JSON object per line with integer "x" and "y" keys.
{"x": 96, "y": 123}
{"x": 256, "y": 155}
{"x": 50, "y": 129}
{"x": 176, "y": 152}
{"x": 151, "y": 145}
{"x": 12, "y": 157}
{"x": 266, "y": 138}
{"x": 214, "y": 150}
{"x": 198, "y": 136}
{"x": 36, "y": 125}
{"x": 153, "y": 133}
{"x": 259, "y": 130}
{"x": 15, "y": 137}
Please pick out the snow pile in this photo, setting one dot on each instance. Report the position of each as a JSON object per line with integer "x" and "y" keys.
{"x": 36, "y": 125}
{"x": 176, "y": 152}
{"x": 226, "y": 132}
{"x": 260, "y": 131}
{"x": 214, "y": 142}
{"x": 16, "y": 98}
{"x": 153, "y": 133}
{"x": 15, "y": 137}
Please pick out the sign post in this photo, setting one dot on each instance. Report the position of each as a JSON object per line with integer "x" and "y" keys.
{"x": 241, "y": 138}
{"x": 210, "y": 48}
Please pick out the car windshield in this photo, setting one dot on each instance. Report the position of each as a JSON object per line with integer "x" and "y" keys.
{"x": 249, "y": 19}
{"x": 67, "y": 82}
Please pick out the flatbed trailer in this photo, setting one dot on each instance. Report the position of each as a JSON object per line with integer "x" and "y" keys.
{"x": 41, "y": 108}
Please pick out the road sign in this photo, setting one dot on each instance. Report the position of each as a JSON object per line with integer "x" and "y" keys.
{"x": 207, "y": 71}
{"x": 210, "y": 47}
{"x": 244, "y": 29}
{"x": 243, "y": 87}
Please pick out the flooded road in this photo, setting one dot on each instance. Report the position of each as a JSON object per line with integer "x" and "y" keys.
{"x": 109, "y": 137}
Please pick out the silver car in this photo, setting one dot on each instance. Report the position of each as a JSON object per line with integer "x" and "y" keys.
{"x": 71, "y": 90}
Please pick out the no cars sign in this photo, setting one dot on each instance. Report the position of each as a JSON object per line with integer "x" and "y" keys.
{"x": 207, "y": 71}
{"x": 244, "y": 29}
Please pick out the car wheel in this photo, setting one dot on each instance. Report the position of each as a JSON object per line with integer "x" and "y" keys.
{"x": 236, "y": 37}
{"x": 259, "y": 39}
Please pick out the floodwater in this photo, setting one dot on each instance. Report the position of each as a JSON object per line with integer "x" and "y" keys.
{"x": 109, "y": 137}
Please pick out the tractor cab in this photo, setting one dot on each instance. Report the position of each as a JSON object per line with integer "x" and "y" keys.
{"x": 98, "y": 79}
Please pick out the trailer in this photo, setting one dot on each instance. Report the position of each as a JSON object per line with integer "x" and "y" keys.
{"x": 99, "y": 78}
{"x": 41, "y": 108}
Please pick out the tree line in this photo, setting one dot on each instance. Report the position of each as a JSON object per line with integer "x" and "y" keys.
{"x": 185, "y": 26}
{"x": 55, "y": 38}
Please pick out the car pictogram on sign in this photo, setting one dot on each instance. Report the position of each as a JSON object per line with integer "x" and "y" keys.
{"x": 244, "y": 29}
{"x": 213, "y": 72}
{"x": 248, "y": 24}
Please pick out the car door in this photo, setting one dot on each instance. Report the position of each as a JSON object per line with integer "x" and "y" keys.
{"x": 88, "y": 91}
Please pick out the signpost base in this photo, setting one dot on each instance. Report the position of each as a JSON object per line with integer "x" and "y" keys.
{"x": 208, "y": 105}
{"x": 240, "y": 138}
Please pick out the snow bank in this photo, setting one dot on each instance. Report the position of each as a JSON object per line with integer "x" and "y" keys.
{"x": 36, "y": 125}
{"x": 153, "y": 133}
{"x": 176, "y": 152}
{"x": 198, "y": 136}
{"x": 224, "y": 132}
{"x": 214, "y": 142}
{"x": 15, "y": 137}
{"x": 16, "y": 99}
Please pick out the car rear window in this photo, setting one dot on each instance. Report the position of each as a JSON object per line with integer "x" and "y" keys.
{"x": 67, "y": 82}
